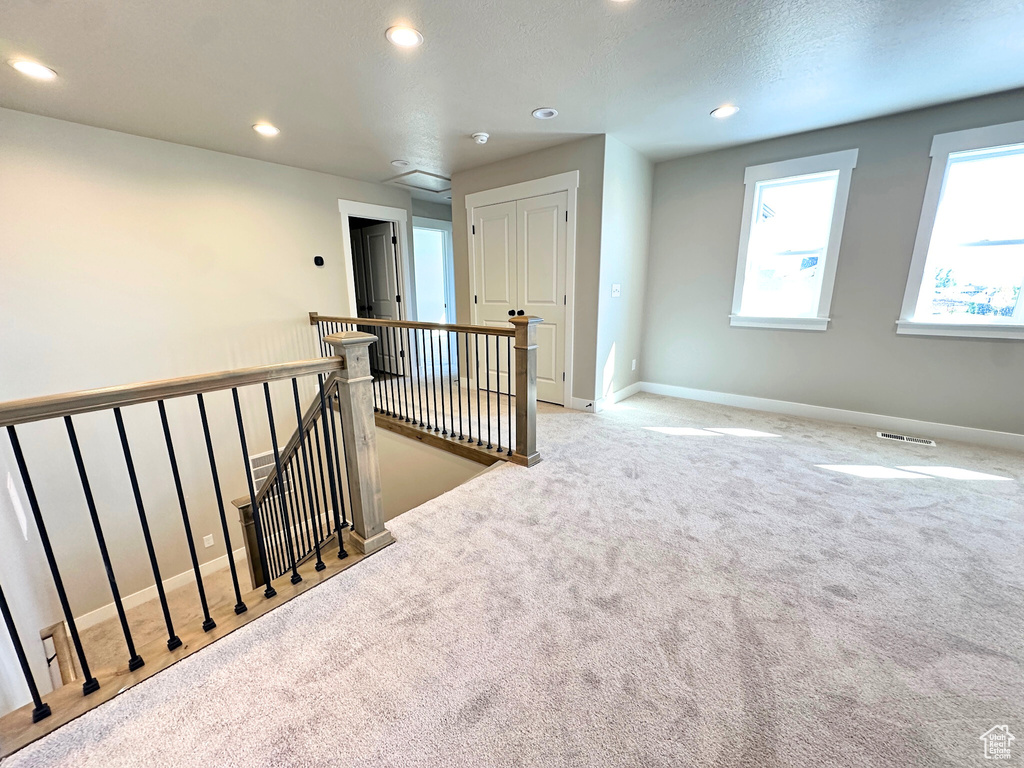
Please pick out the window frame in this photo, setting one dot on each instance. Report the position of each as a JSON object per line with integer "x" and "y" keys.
{"x": 943, "y": 145}
{"x": 844, "y": 162}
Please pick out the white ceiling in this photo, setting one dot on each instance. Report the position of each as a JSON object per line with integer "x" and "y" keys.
{"x": 348, "y": 102}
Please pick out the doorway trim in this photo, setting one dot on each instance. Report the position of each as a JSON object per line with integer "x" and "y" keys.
{"x": 563, "y": 182}
{"x": 400, "y": 218}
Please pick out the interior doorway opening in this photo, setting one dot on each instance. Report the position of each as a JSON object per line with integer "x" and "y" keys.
{"x": 377, "y": 276}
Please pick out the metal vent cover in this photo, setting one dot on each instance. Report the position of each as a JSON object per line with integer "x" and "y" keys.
{"x": 904, "y": 438}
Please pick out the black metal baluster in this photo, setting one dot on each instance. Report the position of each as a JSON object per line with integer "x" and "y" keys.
{"x": 261, "y": 547}
{"x": 305, "y": 458}
{"x": 433, "y": 384}
{"x": 240, "y": 607}
{"x": 396, "y": 392}
{"x": 323, "y": 477}
{"x": 135, "y": 661}
{"x": 41, "y": 710}
{"x": 426, "y": 380}
{"x": 440, "y": 370}
{"x": 497, "y": 385}
{"x": 396, "y": 388}
{"x": 335, "y": 486}
{"x": 299, "y": 506}
{"x": 280, "y": 481}
{"x": 273, "y": 518}
{"x": 451, "y": 401}
{"x": 458, "y": 383}
{"x": 317, "y": 508}
{"x": 403, "y": 367}
{"x": 508, "y": 355}
{"x": 91, "y": 684}
{"x": 173, "y": 641}
{"x": 208, "y": 622}
{"x": 487, "y": 372}
{"x": 410, "y": 335}
{"x": 479, "y": 430}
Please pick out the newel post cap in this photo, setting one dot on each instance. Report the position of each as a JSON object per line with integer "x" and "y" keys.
{"x": 350, "y": 339}
{"x": 519, "y": 320}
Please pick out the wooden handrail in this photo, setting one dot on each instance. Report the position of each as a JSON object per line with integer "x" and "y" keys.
{"x": 87, "y": 401}
{"x": 315, "y": 318}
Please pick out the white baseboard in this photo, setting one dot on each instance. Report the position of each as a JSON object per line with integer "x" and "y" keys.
{"x": 108, "y": 611}
{"x": 580, "y": 404}
{"x": 987, "y": 437}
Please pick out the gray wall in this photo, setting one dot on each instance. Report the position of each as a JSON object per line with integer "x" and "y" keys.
{"x": 587, "y": 157}
{"x": 860, "y": 363}
{"x": 625, "y": 230}
{"x": 125, "y": 259}
{"x": 431, "y": 210}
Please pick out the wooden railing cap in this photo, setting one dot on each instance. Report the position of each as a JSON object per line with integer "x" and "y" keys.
{"x": 525, "y": 320}
{"x": 349, "y": 338}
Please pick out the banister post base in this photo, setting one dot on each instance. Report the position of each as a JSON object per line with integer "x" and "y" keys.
{"x": 372, "y": 544}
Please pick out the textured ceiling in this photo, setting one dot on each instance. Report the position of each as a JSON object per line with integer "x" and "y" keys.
{"x": 647, "y": 71}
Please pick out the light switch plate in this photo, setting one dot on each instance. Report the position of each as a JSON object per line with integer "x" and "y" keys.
{"x": 634, "y": 365}
{"x": 208, "y": 541}
{"x": 616, "y": 290}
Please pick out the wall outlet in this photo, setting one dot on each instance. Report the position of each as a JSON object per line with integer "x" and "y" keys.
{"x": 634, "y": 365}
{"x": 208, "y": 541}
{"x": 616, "y": 290}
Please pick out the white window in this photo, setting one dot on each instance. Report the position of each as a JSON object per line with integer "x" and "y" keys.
{"x": 967, "y": 270}
{"x": 793, "y": 215}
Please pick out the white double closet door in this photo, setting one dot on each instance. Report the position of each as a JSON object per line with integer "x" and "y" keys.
{"x": 519, "y": 265}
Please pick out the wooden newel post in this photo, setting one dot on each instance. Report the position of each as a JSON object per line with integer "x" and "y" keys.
{"x": 526, "y": 388}
{"x": 359, "y": 436}
{"x": 252, "y": 548}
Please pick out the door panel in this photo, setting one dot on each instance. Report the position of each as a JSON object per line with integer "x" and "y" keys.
{"x": 380, "y": 273}
{"x": 496, "y": 283}
{"x": 541, "y": 266}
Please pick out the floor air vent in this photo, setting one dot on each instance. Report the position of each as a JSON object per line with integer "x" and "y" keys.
{"x": 904, "y": 438}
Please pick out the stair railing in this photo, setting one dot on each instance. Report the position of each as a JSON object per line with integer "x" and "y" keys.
{"x": 348, "y": 449}
{"x": 470, "y": 389}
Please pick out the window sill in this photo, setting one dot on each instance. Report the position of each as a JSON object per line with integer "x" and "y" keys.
{"x": 962, "y": 330}
{"x": 781, "y": 323}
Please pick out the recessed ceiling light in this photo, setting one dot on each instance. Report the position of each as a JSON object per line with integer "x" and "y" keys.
{"x": 266, "y": 129}
{"x": 724, "y": 111}
{"x": 404, "y": 37}
{"x": 33, "y": 69}
{"x": 400, "y": 163}
{"x": 545, "y": 113}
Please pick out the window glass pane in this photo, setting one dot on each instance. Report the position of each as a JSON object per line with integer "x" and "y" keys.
{"x": 789, "y": 233}
{"x": 975, "y": 264}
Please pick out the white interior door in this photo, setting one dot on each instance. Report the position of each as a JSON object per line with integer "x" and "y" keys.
{"x": 380, "y": 271}
{"x": 496, "y": 291}
{"x": 541, "y": 255}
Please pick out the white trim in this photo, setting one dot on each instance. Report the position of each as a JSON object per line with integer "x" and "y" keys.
{"x": 790, "y": 323}
{"x": 987, "y": 437}
{"x": 944, "y": 144}
{"x": 109, "y": 611}
{"x": 960, "y": 330}
{"x": 844, "y": 162}
{"x": 582, "y": 404}
{"x": 400, "y": 217}
{"x": 618, "y": 396}
{"x": 563, "y": 182}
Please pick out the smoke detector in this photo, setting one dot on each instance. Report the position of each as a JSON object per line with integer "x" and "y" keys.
{"x": 481, "y": 138}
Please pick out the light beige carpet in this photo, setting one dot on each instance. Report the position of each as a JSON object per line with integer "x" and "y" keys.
{"x": 640, "y": 598}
